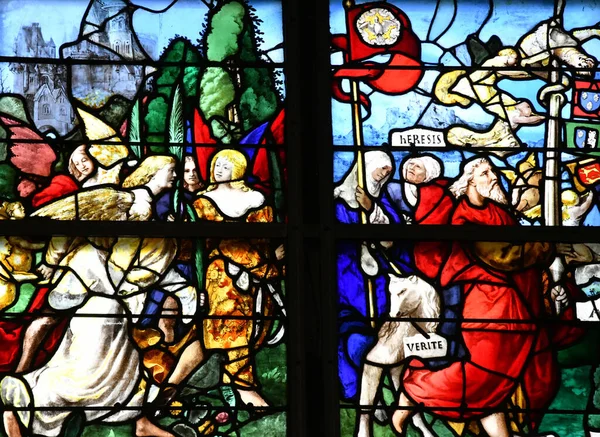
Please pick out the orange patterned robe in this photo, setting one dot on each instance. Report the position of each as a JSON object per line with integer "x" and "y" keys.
{"x": 226, "y": 299}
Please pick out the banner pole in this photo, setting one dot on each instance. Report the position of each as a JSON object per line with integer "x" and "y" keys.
{"x": 357, "y": 130}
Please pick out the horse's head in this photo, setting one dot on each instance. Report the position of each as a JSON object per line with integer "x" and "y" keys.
{"x": 413, "y": 297}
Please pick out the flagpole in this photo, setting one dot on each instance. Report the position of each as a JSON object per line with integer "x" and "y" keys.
{"x": 358, "y": 141}
{"x": 357, "y": 123}
{"x": 357, "y": 129}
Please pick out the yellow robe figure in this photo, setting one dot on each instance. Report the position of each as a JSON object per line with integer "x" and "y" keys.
{"x": 241, "y": 276}
{"x": 227, "y": 296}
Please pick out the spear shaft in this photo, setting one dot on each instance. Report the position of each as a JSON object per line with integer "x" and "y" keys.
{"x": 552, "y": 207}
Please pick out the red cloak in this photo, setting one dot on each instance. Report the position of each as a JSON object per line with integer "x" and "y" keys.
{"x": 435, "y": 206}
{"x": 502, "y": 351}
{"x": 11, "y": 336}
{"x": 60, "y": 186}
{"x": 12, "y": 331}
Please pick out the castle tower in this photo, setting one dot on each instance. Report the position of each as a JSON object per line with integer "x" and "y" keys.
{"x": 118, "y": 29}
{"x": 51, "y": 49}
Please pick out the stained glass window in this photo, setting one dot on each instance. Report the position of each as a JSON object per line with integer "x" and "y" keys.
{"x": 104, "y": 332}
{"x": 479, "y": 120}
{"x": 103, "y": 85}
{"x": 165, "y": 271}
{"x": 142, "y": 180}
{"x": 514, "y": 83}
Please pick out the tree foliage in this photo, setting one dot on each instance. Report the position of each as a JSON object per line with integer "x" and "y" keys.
{"x": 217, "y": 91}
{"x": 226, "y": 25}
{"x": 180, "y": 51}
{"x": 183, "y": 70}
{"x": 156, "y": 119}
{"x": 232, "y": 36}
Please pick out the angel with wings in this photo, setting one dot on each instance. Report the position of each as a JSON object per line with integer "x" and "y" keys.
{"x": 155, "y": 175}
{"x": 98, "y": 275}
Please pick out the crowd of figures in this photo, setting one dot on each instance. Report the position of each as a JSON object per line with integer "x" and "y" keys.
{"x": 489, "y": 316}
{"x": 125, "y": 321}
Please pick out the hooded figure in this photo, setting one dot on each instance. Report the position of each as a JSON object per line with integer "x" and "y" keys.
{"x": 417, "y": 171}
{"x": 359, "y": 262}
{"x": 378, "y": 169}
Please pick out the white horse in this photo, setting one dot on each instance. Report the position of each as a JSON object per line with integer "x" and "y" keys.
{"x": 409, "y": 297}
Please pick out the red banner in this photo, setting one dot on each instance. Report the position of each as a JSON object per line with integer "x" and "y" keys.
{"x": 377, "y": 28}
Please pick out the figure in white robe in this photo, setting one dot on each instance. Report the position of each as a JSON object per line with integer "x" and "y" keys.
{"x": 97, "y": 364}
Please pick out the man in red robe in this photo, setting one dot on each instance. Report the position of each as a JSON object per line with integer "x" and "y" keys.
{"x": 502, "y": 287}
{"x": 426, "y": 189}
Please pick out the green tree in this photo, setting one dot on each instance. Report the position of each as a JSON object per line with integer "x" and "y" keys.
{"x": 156, "y": 122}
{"x": 225, "y": 27}
{"x": 183, "y": 67}
{"x": 259, "y": 98}
{"x": 232, "y": 37}
{"x": 218, "y": 93}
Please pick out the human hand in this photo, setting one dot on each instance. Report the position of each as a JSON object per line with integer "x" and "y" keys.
{"x": 363, "y": 199}
{"x": 280, "y": 252}
{"x": 565, "y": 249}
{"x": 559, "y": 297}
{"x": 575, "y": 252}
{"x": 170, "y": 218}
{"x": 45, "y": 271}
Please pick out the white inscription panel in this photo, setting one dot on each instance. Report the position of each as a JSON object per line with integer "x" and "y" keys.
{"x": 417, "y": 137}
{"x": 432, "y": 347}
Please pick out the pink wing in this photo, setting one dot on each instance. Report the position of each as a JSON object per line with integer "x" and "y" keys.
{"x": 32, "y": 157}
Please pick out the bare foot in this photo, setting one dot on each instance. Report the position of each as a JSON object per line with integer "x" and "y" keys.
{"x": 401, "y": 415}
{"x": 398, "y": 419}
{"x": 251, "y": 397}
{"x": 145, "y": 428}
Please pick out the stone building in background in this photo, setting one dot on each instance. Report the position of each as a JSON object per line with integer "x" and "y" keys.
{"x": 108, "y": 39}
{"x": 42, "y": 85}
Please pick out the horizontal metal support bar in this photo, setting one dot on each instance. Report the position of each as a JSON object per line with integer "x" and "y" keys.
{"x": 41, "y": 228}
{"x": 573, "y": 234}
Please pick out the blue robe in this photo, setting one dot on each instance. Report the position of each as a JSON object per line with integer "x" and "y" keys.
{"x": 156, "y": 297}
{"x": 165, "y": 207}
{"x": 356, "y": 334}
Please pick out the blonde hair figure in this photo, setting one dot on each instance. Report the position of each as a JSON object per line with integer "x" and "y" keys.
{"x": 146, "y": 170}
{"x": 76, "y": 172}
{"x": 240, "y": 164}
